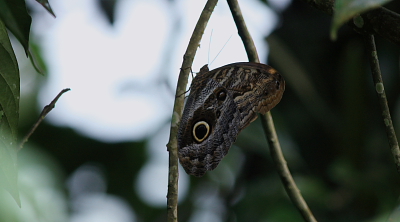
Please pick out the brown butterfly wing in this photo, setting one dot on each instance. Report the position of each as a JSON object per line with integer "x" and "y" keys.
{"x": 225, "y": 100}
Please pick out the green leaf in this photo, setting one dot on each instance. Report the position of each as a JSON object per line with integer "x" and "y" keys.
{"x": 9, "y": 107}
{"x": 46, "y": 5}
{"x": 347, "y": 9}
{"x": 38, "y": 65}
{"x": 18, "y": 21}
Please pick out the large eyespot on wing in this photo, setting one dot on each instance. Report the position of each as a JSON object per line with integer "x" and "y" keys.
{"x": 201, "y": 130}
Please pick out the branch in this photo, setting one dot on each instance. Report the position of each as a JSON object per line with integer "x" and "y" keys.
{"x": 268, "y": 123}
{"x": 173, "y": 174}
{"x": 43, "y": 114}
{"x": 243, "y": 32}
{"x": 380, "y": 90}
{"x": 380, "y": 21}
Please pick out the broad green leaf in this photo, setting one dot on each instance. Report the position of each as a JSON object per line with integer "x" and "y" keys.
{"x": 46, "y": 5}
{"x": 347, "y": 9}
{"x": 9, "y": 107}
{"x": 16, "y": 18}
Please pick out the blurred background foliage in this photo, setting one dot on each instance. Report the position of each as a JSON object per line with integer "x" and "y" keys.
{"x": 328, "y": 122}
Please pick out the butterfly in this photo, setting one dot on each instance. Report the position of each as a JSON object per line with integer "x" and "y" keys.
{"x": 222, "y": 102}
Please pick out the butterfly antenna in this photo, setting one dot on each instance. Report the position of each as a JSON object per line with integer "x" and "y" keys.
{"x": 221, "y": 50}
{"x": 209, "y": 46}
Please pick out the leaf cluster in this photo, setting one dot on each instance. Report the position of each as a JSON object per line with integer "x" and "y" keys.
{"x": 14, "y": 16}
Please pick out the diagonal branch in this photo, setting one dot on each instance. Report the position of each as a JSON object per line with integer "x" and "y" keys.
{"x": 380, "y": 90}
{"x": 268, "y": 124}
{"x": 43, "y": 114}
{"x": 173, "y": 174}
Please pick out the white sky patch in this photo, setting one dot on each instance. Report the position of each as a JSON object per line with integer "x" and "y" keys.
{"x": 89, "y": 202}
{"x": 151, "y": 184}
{"x": 279, "y": 4}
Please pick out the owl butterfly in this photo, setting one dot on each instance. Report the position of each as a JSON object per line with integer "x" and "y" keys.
{"x": 222, "y": 102}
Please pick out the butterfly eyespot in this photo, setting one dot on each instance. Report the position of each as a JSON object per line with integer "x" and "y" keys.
{"x": 221, "y": 95}
{"x": 278, "y": 84}
{"x": 201, "y": 130}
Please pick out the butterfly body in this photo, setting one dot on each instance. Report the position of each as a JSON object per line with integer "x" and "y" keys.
{"x": 221, "y": 103}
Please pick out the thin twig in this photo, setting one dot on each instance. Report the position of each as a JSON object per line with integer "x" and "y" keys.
{"x": 43, "y": 114}
{"x": 173, "y": 174}
{"x": 380, "y": 90}
{"x": 268, "y": 123}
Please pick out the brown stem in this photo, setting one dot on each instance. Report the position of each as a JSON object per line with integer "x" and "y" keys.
{"x": 173, "y": 174}
{"x": 380, "y": 90}
{"x": 268, "y": 123}
{"x": 283, "y": 170}
{"x": 43, "y": 114}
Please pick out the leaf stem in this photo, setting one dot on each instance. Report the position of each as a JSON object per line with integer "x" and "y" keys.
{"x": 380, "y": 91}
{"x": 268, "y": 123}
{"x": 173, "y": 174}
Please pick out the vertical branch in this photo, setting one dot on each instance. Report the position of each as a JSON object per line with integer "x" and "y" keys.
{"x": 268, "y": 123}
{"x": 173, "y": 174}
{"x": 380, "y": 90}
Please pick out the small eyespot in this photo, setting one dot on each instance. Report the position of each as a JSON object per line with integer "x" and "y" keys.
{"x": 221, "y": 95}
{"x": 278, "y": 84}
{"x": 201, "y": 130}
